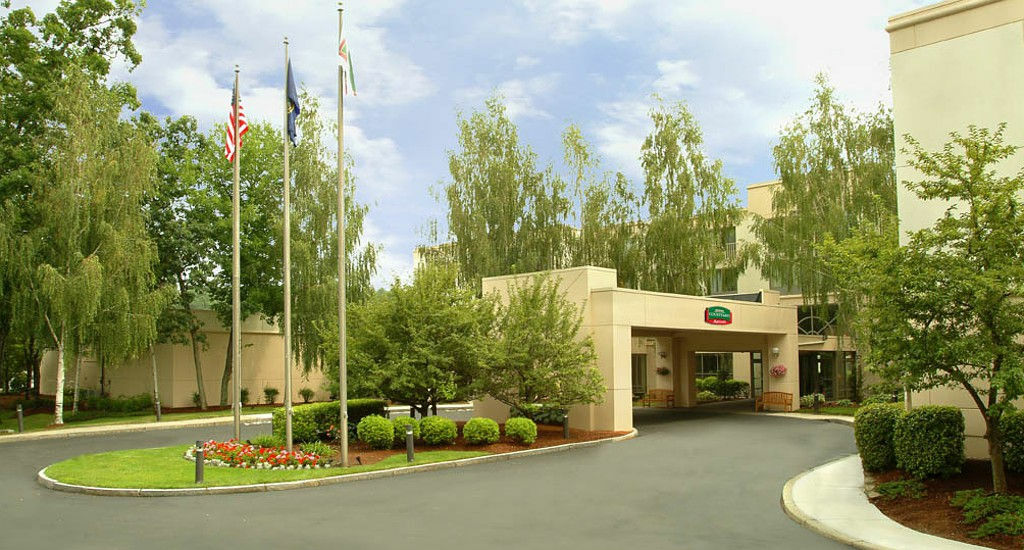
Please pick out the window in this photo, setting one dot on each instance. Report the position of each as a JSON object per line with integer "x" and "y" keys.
{"x": 714, "y": 364}
{"x": 725, "y": 281}
{"x": 729, "y": 242}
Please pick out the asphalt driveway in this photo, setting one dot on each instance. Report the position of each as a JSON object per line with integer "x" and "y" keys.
{"x": 692, "y": 479}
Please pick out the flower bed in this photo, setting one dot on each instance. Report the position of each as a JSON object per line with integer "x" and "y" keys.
{"x": 232, "y": 454}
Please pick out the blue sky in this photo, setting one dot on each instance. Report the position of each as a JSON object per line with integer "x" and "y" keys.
{"x": 744, "y": 67}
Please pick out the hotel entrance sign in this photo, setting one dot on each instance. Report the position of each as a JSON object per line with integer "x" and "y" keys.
{"x": 717, "y": 315}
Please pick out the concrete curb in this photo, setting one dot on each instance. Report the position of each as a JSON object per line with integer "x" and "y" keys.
{"x": 50, "y": 483}
{"x": 877, "y": 527}
{"x": 108, "y": 429}
{"x": 67, "y": 433}
{"x": 835, "y": 419}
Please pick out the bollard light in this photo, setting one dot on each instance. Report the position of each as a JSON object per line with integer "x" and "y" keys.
{"x": 409, "y": 453}
{"x": 21, "y": 419}
{"x": 565, "y": 426}
{"x": 200, "y": 456}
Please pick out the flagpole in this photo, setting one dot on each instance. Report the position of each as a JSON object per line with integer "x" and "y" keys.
{"x": 287, "y": 266}
{"x": 236, "y": 302}
{"x": 342, "y": 365}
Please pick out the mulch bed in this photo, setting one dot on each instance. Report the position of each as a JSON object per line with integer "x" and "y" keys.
{"x": 932, "y": 513}
{"x": 547, "y": 436}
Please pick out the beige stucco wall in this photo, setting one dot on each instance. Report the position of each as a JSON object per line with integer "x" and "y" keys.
{"x": 262, "y": 366}
{"x": 954, "y": 64}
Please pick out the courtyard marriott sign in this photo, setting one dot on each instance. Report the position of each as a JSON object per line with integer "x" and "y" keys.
{"x": 717, "y": 315}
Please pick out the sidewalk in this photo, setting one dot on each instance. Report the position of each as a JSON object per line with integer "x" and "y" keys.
{"x": 830, "y": 500}
{"x": 835, "y": 418}
{"x": 106, "y": 429}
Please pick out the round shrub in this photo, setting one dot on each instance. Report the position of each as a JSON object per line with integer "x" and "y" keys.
{"x": 706, "y": 396}
{"x": 522, "y": 430}
{"x": 376, "y": 431}
{"x": 707, "y": 384}
{"x": 1012, "y": 427}
{"x": 929, "y": 441}
{"x": 400, "y": 423}
{"x": 438, "y": 430}
{"x": 807, "y": 401}
{"x": 873, "y": 427}
{"x": 481, "y": 431}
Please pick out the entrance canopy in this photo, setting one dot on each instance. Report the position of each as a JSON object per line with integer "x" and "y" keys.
{"x": 612, "y": 316}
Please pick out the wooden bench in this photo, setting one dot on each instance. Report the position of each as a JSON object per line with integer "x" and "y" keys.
{"x": 657, "y": 396}
{"x": 782, "y": 399}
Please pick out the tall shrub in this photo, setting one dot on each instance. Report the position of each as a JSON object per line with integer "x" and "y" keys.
{"x": 929, "y": 441}
{"x": 873, "y": 428}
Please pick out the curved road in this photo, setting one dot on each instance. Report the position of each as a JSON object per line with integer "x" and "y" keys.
{"x": 690, "y": 480}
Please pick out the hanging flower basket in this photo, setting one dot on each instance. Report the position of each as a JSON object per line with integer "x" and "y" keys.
{"x": 777, "y": 371}
{"x": 663, "y": 371}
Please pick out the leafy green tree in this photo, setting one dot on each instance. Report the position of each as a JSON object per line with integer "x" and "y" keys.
{"x": 314, "y": 241}
{"x": 88, "y": 253}
{"x": 260, "y": 227}
{"x": 181, "y": 230}
{"x": 945, "y": 309}
{"x": 504, "y": 214}
{"x": 837, "y": 180}
{"x": 536, "y": 354}
{"x": 690, "y": 204}
{"x": 423, "y": 343}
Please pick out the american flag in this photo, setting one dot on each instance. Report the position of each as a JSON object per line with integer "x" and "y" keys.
{"x": 243, "y": 127}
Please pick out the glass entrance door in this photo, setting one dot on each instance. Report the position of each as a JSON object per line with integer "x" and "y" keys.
{"x": 639, "y": 375}
{"x": 756, "y": 374}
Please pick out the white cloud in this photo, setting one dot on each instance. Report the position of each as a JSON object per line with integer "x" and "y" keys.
{"x": 526, "y": 61}
{"x": 380, "y": 167}
{"x": 675, "y": 75}
{"x": 520, "y": 95}
{"x": 570, "y": 20}
{"x": 621, "y": 134}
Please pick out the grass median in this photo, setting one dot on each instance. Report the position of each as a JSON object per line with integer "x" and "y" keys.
{"x": 165, "y": 468}
{"x": 42, "y": 422}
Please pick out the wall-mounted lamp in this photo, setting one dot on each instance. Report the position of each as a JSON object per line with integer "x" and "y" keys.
{"x": 775, "y": 352}
{"x": 663, "y": 354}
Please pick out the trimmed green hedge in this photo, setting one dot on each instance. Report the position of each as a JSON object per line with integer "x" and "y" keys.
{"x": 400, "y": 423}
{"x": 929, "y": 441}
{"x": 732, "y": 388}
{"x": 312, "y": 422}
{"x": 438, "y": 430}
{"x": 1012, "y": 427}
{"x": 481, "y": 431}
{"x": 376, "y": 431}
{"x": 522, "y": 430}
{"x": 539, "y": 413}
{"x": 873, "y": 428}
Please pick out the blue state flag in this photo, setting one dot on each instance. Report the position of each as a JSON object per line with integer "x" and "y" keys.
{"x": 293, "y": 104}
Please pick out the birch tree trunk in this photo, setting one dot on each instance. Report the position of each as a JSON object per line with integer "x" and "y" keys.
{"x": 78, "y": 380}
{"x": 58, "y": 406}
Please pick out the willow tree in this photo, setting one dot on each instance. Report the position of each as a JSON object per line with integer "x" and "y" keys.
{"x": 91, "y": 261}
{"x": 690, "y": 204}
{"x": 505, "y": 215}
{"x": 837, "y": 180}
{"x": 314, "y": 241}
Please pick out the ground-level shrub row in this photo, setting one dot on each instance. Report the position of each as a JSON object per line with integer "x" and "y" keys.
{"x": 318, "y": 421}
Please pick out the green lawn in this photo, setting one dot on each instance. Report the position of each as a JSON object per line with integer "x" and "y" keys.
{"x": 841, "y": 411}
{"x": 37, "y": 422}
{"x": 165, "y": 468}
